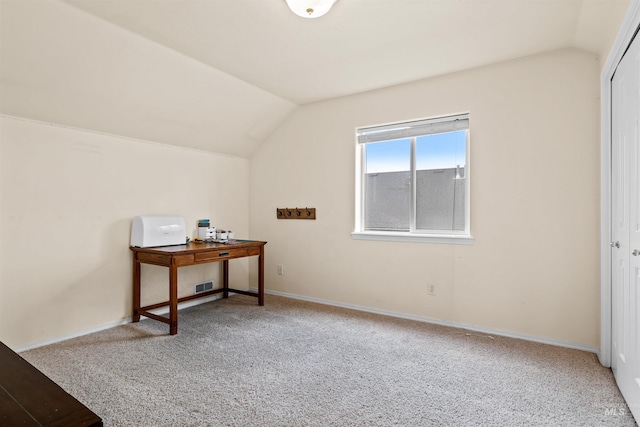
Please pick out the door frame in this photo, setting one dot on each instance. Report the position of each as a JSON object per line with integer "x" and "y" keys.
{"x": 629, "y": 28}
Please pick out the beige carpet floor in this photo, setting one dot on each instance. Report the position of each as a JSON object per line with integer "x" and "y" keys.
{"x": 294, "y": 363}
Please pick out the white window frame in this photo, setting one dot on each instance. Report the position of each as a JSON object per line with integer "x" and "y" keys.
{"x": 413, "y": 235}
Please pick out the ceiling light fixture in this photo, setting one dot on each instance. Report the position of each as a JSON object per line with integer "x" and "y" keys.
{"x": 310, "y": 8}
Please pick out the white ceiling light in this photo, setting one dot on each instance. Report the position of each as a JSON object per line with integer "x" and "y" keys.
{"x": 310, "y": 8}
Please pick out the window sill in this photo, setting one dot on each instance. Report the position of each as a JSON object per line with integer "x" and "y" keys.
{"x": 452, "y": 239}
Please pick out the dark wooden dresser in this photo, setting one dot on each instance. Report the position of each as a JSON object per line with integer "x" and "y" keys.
{"x": 30, "y": 398}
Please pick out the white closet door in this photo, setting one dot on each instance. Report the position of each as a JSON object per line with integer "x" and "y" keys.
{"x": 626, "y": 226}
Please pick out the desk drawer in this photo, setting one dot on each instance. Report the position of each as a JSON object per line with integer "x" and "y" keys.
{"x": 157, "y": 259}
{"x": 221, "y": 254}
{"x": 183, "y": 260}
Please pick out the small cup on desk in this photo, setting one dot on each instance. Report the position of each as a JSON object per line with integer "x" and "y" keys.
{"x": 211, "y": 233}
{"x": 222, "y": 235}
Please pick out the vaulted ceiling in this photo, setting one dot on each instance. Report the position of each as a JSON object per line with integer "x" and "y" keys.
{"x": 220, "y": 75}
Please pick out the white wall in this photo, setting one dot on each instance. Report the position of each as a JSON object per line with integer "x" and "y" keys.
{"x": 597, "y": 26}
{"x": 68, "y": 197}
{"x": 533, "y": 269}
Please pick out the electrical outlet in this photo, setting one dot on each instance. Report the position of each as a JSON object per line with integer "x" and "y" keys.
{"x": 431, "y": 288}
{"x": 281, "y": 270}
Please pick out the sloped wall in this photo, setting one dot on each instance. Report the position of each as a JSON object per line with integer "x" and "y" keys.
{"x": 62, "y": 65}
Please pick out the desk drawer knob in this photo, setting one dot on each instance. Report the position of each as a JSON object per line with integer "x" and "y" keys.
{"x": 224, "y": 254}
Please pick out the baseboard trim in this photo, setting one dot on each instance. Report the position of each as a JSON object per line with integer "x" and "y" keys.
{"x": 76, "y": 334}
{"x": 181, "y": 306}
{"x": 158, "y": 311}
{"x": 475, "y": 328}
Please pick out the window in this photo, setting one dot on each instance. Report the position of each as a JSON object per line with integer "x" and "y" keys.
{"x": 413, "y": 181}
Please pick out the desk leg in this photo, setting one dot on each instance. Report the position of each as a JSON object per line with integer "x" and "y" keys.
{"x": 136, "y": 288}
{"x": 261, "y": 276}
{"x": 225, "y": 279}
{"x": 173, "y": 299}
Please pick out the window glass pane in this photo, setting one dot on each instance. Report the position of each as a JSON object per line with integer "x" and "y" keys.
{"x": 441, "y": 150}
{"x": 387, "y": 185}
{"x": 441, "y": 181}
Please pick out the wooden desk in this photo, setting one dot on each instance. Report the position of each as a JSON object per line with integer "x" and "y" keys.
{"x": 30, "y": 398}
{"x": 192, "y": 254}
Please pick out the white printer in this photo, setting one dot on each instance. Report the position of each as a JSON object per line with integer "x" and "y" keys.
{"x": 158, "y": 230}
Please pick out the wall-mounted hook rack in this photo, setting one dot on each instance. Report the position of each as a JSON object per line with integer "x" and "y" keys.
{"x": 296, "y": 213}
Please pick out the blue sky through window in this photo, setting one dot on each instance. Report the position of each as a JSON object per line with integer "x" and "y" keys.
{"x": 437, "y": 151}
